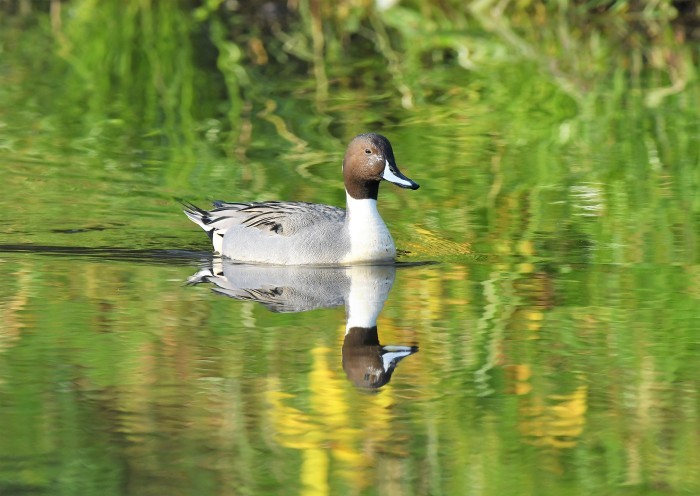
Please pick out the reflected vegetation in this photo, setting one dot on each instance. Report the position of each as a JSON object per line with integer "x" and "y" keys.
{"x": 362, "y": 289}
{"x": 114, "y": 371}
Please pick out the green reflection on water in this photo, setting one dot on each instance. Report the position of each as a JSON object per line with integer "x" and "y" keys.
{"x": 559, "y": 179}
{"x": 115, "y": 372}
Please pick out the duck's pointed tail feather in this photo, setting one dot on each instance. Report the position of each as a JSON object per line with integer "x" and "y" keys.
{"x": 200, "y": 217}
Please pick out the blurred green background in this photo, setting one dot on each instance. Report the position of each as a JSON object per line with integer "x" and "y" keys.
{"x": 557, "y": 145}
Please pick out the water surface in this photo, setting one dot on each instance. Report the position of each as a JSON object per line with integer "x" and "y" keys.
{"x": 552, "y": 338}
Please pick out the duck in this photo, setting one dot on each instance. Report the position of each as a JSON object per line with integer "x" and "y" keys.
{"x": 301, "y": 233}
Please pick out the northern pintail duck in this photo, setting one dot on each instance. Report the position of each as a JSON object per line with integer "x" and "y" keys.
{"x": 300, "y": 233}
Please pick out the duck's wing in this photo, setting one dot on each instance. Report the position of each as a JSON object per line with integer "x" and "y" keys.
{"x": 273, "y": 217}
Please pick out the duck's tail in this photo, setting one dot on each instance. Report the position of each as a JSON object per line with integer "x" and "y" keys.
{"x": 200, "y": 217}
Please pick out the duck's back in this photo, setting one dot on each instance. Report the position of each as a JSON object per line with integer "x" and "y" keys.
{"x": 283, "y": 232}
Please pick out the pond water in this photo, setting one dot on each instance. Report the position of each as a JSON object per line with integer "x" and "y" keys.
{"x": 539, "y": 335}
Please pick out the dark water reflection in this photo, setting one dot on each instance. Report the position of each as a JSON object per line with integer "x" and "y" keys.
{"x": 362, "y": 289}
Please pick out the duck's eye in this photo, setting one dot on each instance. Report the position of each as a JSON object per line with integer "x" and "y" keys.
{"x": 368, "y": 151}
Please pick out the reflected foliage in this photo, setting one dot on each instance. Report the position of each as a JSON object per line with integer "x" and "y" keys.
{"x": 575, "y": 376}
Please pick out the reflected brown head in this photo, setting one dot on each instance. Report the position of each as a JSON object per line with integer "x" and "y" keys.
{"x": 363, "y": 357}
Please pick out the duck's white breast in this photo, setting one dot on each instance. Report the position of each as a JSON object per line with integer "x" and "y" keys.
{"x": 370, "y": 240}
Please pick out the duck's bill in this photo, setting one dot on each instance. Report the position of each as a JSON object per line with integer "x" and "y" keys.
{"x": 392, "y": 355}
{"x": 393, "y": 175}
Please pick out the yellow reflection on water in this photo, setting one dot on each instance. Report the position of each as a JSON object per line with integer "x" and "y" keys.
{"x": 342, "y": 431}
{"x": 424, "y": 242}
{"x": 557, "y": 420}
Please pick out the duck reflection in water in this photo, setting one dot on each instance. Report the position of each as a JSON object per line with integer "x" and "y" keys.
{"x": 363, "y": 289}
